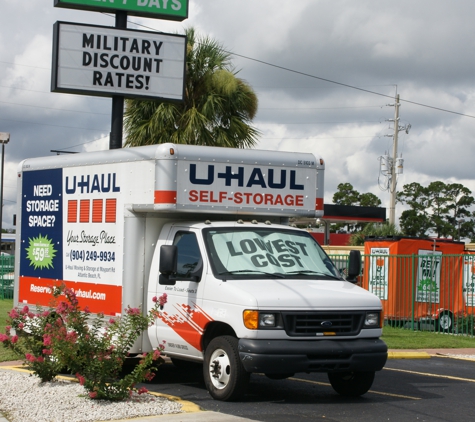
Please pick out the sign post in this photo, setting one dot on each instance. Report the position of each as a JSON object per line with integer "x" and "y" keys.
{"x": 117, "y": 113}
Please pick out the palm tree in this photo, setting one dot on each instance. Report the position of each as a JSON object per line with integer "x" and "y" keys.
{"x": 217, "y": 110}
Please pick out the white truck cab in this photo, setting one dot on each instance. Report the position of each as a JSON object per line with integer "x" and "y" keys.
{"x": 247, "y": 293}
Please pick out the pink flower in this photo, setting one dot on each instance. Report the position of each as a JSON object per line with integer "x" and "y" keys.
{"x": 163, "y": 299}
{"x": 47, "y": 352}
{"x": 25, "y": 310}
{"x": 3, "y": 337}
{"x": 13, "y": 314}
{"x": 154, "y": 299}
{"x": 45, "y": 314}
{"x": 133, "y": 311}
{"x": 92, "y": 394}
{"x": 30, "y": 358}
{"x": 149, "y": 376}
{"x": 47, "y": 340}
{"x": 156, "y": 354}
{"x": 14, "y": 339}
{"x": 112, "y": 321}
{"x": 142, "y": 390}
{"x": 81, "y": 379}
{"x": 21, "y": 325}
{"x": 40, "y": 359}
{"x": 87, "y": 310}
{"x": 62, "y": 308}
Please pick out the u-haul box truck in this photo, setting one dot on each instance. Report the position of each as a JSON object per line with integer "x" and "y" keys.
{"x": 247, "y": 293}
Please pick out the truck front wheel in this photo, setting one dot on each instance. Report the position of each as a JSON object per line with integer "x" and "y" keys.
{"x": 224, "y": 374}
{"x": 351, "y": 384}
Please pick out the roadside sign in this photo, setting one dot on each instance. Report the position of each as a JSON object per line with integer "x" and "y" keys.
{"x": 176, "y": 10}
{"x": 105, "y": 61}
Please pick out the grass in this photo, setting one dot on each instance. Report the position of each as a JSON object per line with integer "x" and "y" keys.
{"x": 5, "y": 306}
{"x": 395, "y": 338}
{"x": 399, "y": 338}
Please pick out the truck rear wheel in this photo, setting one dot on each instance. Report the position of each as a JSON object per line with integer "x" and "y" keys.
{"x": 351, "y": 384}
{"x": 224, "y": 374}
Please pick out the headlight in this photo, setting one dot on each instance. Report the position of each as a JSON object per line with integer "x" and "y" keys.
{"x": 266, "y": 320}
{"x": 255, "y": 320}
{"x": 372, "y": 320}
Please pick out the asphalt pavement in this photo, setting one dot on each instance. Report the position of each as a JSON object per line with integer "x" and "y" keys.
{"x": 194, "y": 413}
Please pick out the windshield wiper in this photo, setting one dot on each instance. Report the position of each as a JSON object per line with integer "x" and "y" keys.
{"x": 314, "y": 272}
{"x": 252, "y": 271}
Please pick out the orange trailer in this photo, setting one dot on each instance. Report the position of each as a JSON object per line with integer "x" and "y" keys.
{"x": 420, "y": 280}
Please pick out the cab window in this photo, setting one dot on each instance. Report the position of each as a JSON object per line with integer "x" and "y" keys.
{"x": 189, "y": 254}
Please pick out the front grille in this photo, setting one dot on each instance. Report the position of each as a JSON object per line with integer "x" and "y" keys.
{"x": 305, "y": 324}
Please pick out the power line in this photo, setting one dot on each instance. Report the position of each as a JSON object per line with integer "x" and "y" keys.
{"x": 308, "y": 75}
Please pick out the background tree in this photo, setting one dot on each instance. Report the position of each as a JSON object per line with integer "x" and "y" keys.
{"x": 376, "y": 230}
{"x": 440, "y": 209}
{"x": 347, "y": 195}
{"x": 218, "y": 107}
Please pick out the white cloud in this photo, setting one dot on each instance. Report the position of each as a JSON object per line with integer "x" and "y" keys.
{"x": 426, "y": 48}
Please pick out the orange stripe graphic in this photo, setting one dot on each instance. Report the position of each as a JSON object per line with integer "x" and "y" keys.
{"x": 165, "y": 197}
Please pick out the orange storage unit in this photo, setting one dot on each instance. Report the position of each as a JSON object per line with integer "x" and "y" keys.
{"x": 417, "y": 279}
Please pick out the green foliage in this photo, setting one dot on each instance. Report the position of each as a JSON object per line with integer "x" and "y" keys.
{"x": 217, "y": 110}
{"x": 376, "y": 230}
{"x": 465, "y": 324}
{"x": 439, "y": 208}
{"x": 347, "y": 195}
{"x": 94, "y": 349}
{"x": 5, "y": 307}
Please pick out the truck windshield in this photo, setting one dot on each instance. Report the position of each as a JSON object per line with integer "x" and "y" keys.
{"x": 237, "y": 253}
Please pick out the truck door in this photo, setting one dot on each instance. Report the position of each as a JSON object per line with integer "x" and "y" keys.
{"x": 182, "y": 320}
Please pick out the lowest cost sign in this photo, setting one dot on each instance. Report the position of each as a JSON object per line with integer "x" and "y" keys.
{"x": 105, "y": 61}
{"x": 161, "y": 9}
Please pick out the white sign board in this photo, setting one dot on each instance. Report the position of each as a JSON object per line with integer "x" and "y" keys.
{"x": 428, "y": 276}
{"x": 105, "y": 61}
{"x": 469, "y": 280}
{"x": 379, "y": 272}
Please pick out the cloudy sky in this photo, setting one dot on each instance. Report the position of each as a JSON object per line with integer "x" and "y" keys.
{"x": 325, "y": 71}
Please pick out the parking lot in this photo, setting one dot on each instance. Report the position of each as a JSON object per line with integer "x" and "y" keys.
{"x": 433, "y": 389}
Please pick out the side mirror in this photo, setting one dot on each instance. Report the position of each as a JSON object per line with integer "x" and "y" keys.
{"x": 354, "y": 266}
{"x": 168, "y": 265}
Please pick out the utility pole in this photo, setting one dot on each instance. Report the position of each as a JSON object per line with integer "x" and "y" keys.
{"x": 391, "y": 167}
{"x": 392, "y": 189}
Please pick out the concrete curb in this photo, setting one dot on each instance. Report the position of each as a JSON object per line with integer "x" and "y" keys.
{"x": 408, "y": 355}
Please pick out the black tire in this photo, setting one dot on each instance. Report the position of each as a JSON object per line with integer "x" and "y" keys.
{"x": 445, "y": 323}
{"x": 351, "y": 384}
{"x": 224, "y": 375}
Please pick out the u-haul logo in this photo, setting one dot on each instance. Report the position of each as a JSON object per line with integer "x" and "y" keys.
{"x": 95, "y": 183}
{"x": 256, "y": 179}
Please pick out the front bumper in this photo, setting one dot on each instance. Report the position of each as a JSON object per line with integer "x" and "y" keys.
{"x": 292, "y": 356}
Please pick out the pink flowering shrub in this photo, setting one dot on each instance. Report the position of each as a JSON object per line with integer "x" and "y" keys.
{"x": 24, "y": 336}
{"x": 92, "y": 347}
